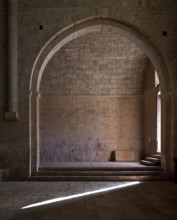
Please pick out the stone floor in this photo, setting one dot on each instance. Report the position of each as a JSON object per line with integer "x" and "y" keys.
{"x": 53, "y": 200}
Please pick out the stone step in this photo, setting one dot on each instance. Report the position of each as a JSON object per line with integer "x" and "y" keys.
{"x": 4, "y": 175}
{"x": 100, "y": 173}
{"x": 153, "y": 159}
{"x": 157, "y": 156}
{"x": 98, "y": 178}
{"x": 148, "y": 163}
{"x": 118, "y": 168}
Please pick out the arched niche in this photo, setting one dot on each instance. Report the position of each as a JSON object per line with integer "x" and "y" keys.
{"x": 88, "y": 26}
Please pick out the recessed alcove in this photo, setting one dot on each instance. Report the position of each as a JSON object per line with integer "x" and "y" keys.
{"x": 92, "y": 99}
{"x": 64, "y": 74}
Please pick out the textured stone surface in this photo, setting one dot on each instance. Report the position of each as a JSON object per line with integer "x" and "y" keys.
{"x": 90, "y": 103}
{"x": 88, "y": 128}
{"x": 147, "y": 200}
{"x": 100, "y": 63}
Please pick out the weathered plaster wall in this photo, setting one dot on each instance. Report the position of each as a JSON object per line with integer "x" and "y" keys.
{"x": 150, "y": 17}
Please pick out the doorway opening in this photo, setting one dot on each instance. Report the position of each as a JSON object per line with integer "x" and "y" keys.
{"x": 158, "y": 134}
{"x": 159, "y": 122}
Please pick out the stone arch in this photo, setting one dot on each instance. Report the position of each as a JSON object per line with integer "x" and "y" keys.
{"x": 78, "y": 29}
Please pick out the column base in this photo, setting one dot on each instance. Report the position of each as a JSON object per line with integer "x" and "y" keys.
{"x": 11, "y": 116}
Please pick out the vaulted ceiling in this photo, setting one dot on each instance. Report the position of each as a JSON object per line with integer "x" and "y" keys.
{"x": 98, "y": 63}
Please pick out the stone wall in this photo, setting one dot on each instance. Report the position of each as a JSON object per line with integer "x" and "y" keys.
{"x": 92, "y": 99}
{"x": 89, "y": 128}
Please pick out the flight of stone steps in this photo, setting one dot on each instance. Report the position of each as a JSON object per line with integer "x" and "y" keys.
{"x": 99, "y": 173}
{"x": 154, "y": 160}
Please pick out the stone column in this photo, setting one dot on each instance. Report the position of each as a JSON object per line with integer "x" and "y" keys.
{"x": 12, "y": 111}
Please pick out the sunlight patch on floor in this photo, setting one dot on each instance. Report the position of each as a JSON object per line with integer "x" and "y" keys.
{"x": 81, "y": 195}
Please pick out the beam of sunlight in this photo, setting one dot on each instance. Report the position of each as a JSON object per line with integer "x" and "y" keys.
{"x": 80, "y": 195}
